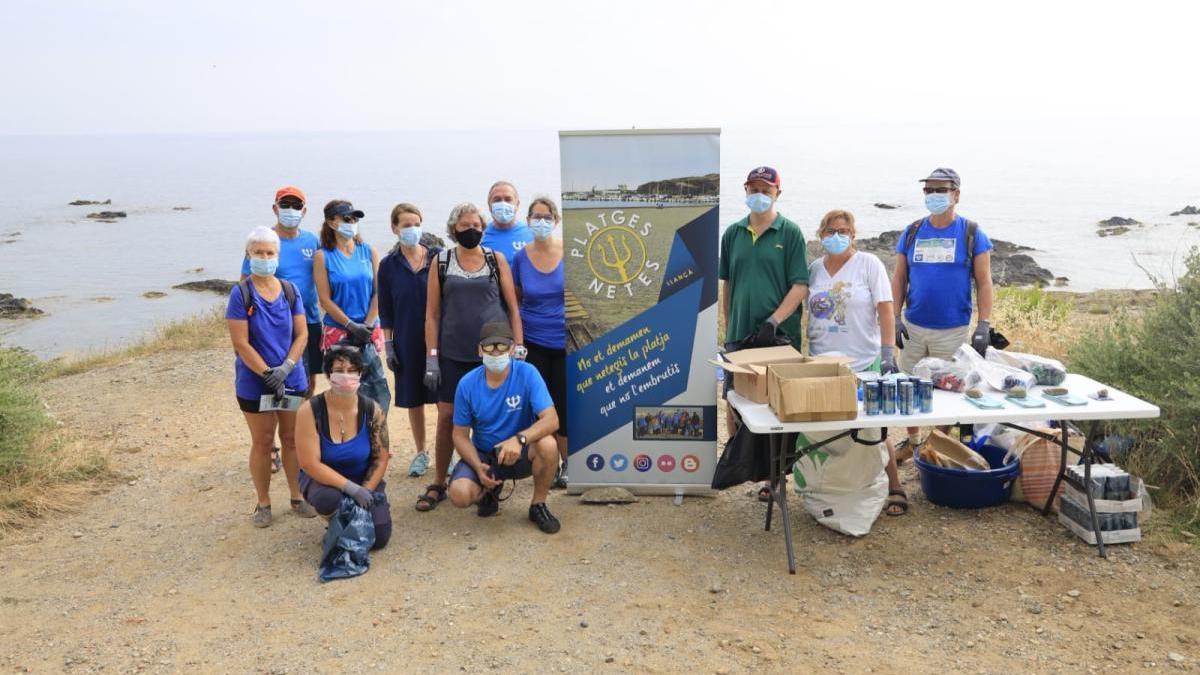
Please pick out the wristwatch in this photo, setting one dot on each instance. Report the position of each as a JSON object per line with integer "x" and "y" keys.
{"x": 522, "y": 440}
{"x": 520, "y": 351}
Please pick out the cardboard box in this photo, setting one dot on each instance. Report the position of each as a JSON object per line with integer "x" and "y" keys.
{"x": 748, "y": 367}
{"x": 814, "y": 390}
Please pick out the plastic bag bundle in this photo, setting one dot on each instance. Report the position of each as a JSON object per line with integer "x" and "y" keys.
{"x": 1045, "y": 371}
{"x": 844, "y": 484}
{"x": 997, "y": 375}
{"x": 946, "y": 375}
{"x": 348, "y": 541}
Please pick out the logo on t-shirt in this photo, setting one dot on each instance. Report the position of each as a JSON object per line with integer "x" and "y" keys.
{"x": 616, "y": 253}
{"x": 513, "y": 402}
{"x": 935, "y": 250}
{"x": 308, "y": 253}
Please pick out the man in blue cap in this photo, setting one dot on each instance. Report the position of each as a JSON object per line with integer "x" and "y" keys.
{"x": 937, "y": 259}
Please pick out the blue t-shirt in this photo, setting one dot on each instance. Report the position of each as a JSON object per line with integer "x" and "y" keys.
{"x": 351, "y": 282}
{"x": 495, "y": 415}
{"x": 940, "y": 274}
{"x": 507, "y": 242}
{"x": 542, "y": 312}
{"x": 295, "y": 265}
{"x": 270, "y": 328}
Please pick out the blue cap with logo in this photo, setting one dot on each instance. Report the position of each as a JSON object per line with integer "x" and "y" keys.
{"x": 942, "y": 173}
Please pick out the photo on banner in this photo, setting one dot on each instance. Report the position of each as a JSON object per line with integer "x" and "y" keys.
{"x": 640, "y": 233}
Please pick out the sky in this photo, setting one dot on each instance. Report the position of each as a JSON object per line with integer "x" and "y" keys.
{"x": 136, "y": 66}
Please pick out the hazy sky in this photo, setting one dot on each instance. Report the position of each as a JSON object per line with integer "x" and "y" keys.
{"x": 255, "y": 65}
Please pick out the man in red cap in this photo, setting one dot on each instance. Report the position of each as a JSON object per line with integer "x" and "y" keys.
{"x": 764, "y": 265}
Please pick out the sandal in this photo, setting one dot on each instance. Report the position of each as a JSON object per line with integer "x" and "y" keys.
{"x": 428, "y": 502}
{"x": 901, "y": 503}
{"x": 276, "y": 460}
{"x": 764, "y": 493}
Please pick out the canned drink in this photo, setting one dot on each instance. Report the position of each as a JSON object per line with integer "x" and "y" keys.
{"x": 871, "y": 398}
{"x": 925, "y": 390}
{"x": 887, "y": 397}
{"x": 904, "y": 399}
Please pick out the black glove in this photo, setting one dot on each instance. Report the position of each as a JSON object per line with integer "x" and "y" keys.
{"x": 982, "y": 337}
{"x": 901, "y": 333}
{"x": 766, "y": 336}
{"x": 433, "y": 373}
{"x": 392, "y": 361}
{"x": 360, "y": 333}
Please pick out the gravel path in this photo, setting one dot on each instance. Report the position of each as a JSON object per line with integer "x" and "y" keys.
{"x": 164, "y": 573}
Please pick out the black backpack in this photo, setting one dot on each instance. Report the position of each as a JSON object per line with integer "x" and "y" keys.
{"x": 443, "y": 262}
{"x": 910, "y": 236}
{"x": 289, "y": 292}
{"x": 320, "y": 412}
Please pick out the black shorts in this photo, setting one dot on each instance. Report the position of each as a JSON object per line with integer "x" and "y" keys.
{"x": 251, "y": 406}
{"x": 452, "y": 372}
{"x": 312, "y": 351}
{"x": 552, "y": 364}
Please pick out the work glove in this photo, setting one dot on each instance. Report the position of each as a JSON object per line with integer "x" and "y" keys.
{"x": 433, "y": 374}
{"x": 887, "y": 360}
{"x": 275, "y": 378}
{"x": 359, "y": 332}
{"x": 767, "y": 335}
{"x": 982, "y": 337}
{"x": 901, "y": 333}
{"x": 361, "y": 495}
{"x": 392, "y": 362}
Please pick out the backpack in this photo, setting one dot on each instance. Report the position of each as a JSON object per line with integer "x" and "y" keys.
{"x": 320, "y": 411}
{"x": 489, "y": 257}
{"x": 289, "y": 292}
{"x": 910, "y": 236}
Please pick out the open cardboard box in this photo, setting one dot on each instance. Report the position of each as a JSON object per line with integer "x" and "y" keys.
{"x": 748, "y": 367}
{"x": 816, "y": 389}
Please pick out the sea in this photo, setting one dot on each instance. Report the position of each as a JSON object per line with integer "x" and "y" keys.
{"x": 192, "y": 198}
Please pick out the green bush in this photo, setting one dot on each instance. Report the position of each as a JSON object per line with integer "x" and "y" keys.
{"x": 22, "y": 416}
{"x": 1156, "y": 357}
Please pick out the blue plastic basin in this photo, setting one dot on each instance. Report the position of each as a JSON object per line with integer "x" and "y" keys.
{"x": 962, "y": 489}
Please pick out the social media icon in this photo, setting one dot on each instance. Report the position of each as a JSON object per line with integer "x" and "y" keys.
{"x": 595, "y": 462}
{"x": 666, "y": 463}
{"x": 618, "y": 462}
{"x": 643, "y": 463}
{"x": 690, "y": 463}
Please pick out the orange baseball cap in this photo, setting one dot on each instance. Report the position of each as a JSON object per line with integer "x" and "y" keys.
{"x": 292, "y": 191}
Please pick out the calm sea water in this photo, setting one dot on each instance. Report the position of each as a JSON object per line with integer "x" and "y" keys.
{"x": 1044, "y": 187}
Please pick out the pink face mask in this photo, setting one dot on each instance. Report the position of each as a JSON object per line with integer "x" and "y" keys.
{"x": 344, "y": 383}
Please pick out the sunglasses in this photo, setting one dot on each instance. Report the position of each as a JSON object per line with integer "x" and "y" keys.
{"x": 287, "y": 203}
{"x": 497, "y": 348}
{"x": 349, "y": 219}
{"x": 939, "y": 190}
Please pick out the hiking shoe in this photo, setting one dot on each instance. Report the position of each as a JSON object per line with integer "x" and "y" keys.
{"x": 303, "y": 509}
{"x": 545, "y": 520}
{"x": 262, "y": 516}
{"x": 489, "y": 503}
{"x": 560, "y": 478}
{"x": 419, "y": 465}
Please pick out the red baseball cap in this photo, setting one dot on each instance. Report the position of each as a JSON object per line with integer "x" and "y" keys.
{"x": 764, "y": 174}
{"x": 291, "y": 191}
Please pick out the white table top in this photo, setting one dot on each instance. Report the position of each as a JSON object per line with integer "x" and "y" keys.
{"x": 951, "y": 408}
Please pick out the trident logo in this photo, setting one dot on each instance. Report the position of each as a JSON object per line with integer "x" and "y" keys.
{"x": 616, "y": 255}
{"x": 513, "y": 402}
{"x": 618, "y": 261}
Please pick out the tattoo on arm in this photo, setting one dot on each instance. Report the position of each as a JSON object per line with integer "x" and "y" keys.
{"x": 380, "y": 444}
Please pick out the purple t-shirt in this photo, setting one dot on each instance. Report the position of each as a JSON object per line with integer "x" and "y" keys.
{"x": 270, "y": 326}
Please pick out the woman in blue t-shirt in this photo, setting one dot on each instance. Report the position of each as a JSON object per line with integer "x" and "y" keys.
{"x": 538, "y": 276}
{"x": 344, "y": 269}
{"x": 269, "y": 335}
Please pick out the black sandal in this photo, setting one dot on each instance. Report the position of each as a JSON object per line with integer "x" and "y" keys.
{"x": 430, "y": 502}
{"x": 902, "y": 502}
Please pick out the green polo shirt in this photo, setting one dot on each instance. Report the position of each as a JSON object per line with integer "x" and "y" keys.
{"x": 759, "y": 271}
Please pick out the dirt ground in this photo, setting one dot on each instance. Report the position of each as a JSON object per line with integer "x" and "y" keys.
{"x": 164, "y": 573}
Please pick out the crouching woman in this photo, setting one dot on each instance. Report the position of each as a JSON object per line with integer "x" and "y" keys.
{"x": 342, "y": 444}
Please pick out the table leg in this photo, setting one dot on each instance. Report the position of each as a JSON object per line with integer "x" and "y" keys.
{"x": 1087, "y": 484}
{"x": 1062, "y": 471}
{"x": 783, "y": 505}
{"x": 773, "y": 462}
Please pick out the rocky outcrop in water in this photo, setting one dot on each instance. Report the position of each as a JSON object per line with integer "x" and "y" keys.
{"x": 1011, "y": 265}
{"x": 12, "y": 307}
{"x": 108, "y": 216}
{"x": 89, "y": 202}
{"x": 1118, "y": 221}
{"x": 1188, "y": 210}
{"x": 881, "y": 205}
{"x": 219, "y": 286}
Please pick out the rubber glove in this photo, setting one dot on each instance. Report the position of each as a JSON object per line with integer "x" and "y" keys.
{"x": 982, "y": 337}
{"x": 887, "y": 360}
{"x": 901, "y": 333}
{"x": 433, "y": 374}
{"x": 392, "y": 363}
{"x": 766, "y": 333}
{"x": 360, "y": 332}
{"x": 361, "y": 495}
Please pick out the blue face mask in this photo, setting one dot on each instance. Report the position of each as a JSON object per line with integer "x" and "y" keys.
{"x": 496, "y": 363}
{"x": 542, "y": 228}
{"x": 759, "y": 202}
{"x": 410, "y": 236}
{"x": 348, "y": 230}
{"x": 504, "y": 212}
{"x": 263, "y": 267}
{"x": 290, "y": 218}
{"x": 937, "y": 203}
{"x": 836, "y": 243}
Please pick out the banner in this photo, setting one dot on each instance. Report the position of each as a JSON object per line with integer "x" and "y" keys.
{"x": 640, "y": 259}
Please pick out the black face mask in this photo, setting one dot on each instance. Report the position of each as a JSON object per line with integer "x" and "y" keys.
{"x": 468, "y": 238}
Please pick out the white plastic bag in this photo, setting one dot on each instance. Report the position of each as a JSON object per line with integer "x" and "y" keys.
{"x": 997, "y": 375}
{"x": 844, "y": 484}
{"x": 945, "y": 374}
{"x": 1045, "y": 371}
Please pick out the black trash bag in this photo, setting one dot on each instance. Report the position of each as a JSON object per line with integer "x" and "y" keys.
{"x": 348, "y": 540}
{"x": 997, "y": 339}
{"x": 747, "y": 458}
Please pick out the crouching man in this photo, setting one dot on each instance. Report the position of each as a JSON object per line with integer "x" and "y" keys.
{"x": 504, "y": 424}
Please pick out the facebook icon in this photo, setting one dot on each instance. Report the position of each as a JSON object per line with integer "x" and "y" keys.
{"x": 595, "y": 462}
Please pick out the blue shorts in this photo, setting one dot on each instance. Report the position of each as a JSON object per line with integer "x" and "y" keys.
{"x": 522, "y": 468}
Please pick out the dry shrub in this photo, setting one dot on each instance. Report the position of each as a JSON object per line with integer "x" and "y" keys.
{"x": 203, "y": 331}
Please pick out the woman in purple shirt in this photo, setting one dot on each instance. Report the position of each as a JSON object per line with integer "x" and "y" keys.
{"x": 269, "y": 335}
